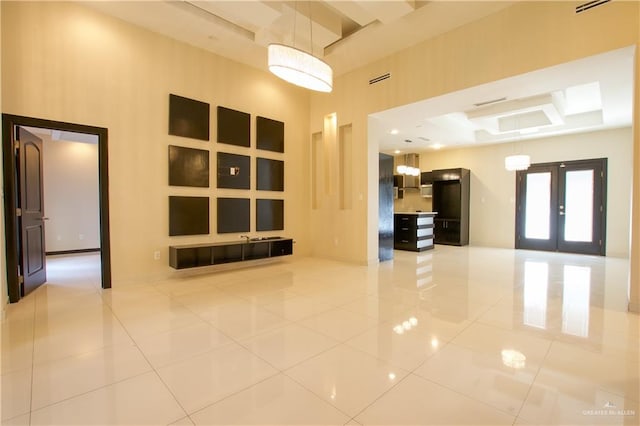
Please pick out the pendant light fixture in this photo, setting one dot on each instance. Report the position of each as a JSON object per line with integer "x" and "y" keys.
{"x": 517, "y": 162}
{"x": 299, "y": 67}
{"x": 411, "y": 166}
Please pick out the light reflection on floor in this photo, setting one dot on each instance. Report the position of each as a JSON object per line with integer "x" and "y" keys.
{"x": 457, "y": 335}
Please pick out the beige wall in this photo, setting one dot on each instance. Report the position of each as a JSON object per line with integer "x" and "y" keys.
{"x": 70, "y": 172}
{"x": 492, "y": 199}
{"x": 82, "y": 67}
{"x": 521, "y": 38}
{"x": 65, "y": 62}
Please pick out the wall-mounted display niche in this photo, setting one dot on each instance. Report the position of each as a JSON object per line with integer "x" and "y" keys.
{"x": 269, "y": 174}
{"x": 234, "y": 127}
{"x": 188, "y": 167}
{"x": 188, "y": 118}
{"x": 269, "y": 134}
{"x": 269, "y": 215}
{"x": 188, "y": 215}
{"x": 234, "y": 171}
{"x": 233, "y": 215}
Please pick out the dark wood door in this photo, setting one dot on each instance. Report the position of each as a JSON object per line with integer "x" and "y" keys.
{"x": 31, "y": 212}
{"x": 562, "y": 207}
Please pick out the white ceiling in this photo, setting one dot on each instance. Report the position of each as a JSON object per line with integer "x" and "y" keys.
{"x": 63, "y": 135}
{"x": 586, "y": 95}
{"x": 346, "y": 33}
{"x": 589, "y": 94}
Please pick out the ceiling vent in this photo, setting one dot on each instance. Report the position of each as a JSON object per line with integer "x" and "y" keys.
{"x": 492, "y": 101}
{"x": 380, "y": 78}
{"x": 590, "y": 5}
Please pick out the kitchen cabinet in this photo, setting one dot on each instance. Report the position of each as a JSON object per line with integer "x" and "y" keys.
{"x": 451, "y": 191}
{"x": 413, "y": 231}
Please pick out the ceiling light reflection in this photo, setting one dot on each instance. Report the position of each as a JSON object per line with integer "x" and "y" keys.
{"x": 514, "y": 359}
{"x": 405, "y": 325}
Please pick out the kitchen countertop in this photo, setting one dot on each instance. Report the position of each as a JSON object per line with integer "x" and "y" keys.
{"x": 417, "y": 213}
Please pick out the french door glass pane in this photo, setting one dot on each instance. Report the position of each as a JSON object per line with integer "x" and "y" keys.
{"x": 538, "y": 206}
{"x": 575, "y": 300}
{"x": 578, "y": 221}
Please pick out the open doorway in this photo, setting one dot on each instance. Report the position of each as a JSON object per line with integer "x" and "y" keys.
{"x": 25, "y": 248}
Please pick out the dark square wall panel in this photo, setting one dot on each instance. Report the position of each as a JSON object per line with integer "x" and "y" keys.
{"x": 234, "y": 127}
{"x": 188, "y": 167}
{"x": 234, "y": 171}
{"x": 269, "y": 174}
{"x": 233, "y": 215}
{"x": 269, "y": 215}
{"x": 270, "y": 134}
{"x": 188, "y": 215}
{"x": 188, "y": 118}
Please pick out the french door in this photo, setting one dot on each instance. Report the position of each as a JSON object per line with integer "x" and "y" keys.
{"x": 562, "y": 207}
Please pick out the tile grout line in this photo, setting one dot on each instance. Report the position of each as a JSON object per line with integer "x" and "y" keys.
{"x": 232, "y": 340}
{"x": 534, "y": 379}
{"x": 150, "y": 365}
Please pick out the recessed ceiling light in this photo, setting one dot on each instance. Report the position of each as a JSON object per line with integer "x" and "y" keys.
{"x": 437, "y": 146}
{"x": 394, "y": 131}
{"x": 397, "y": 151}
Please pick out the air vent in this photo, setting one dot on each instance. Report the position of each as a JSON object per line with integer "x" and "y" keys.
{"x": 424, "y": 139}
{"x": 590, "y": 5}
{"x": 380, "y": 78}
{"x": 492, "y": 101}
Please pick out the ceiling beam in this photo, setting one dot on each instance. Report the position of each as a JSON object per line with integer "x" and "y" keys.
{"x": 388, "y": 11}
{"x": 353, "y": 10}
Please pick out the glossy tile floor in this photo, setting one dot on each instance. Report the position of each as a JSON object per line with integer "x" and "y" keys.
{"x": 452, "y": 336}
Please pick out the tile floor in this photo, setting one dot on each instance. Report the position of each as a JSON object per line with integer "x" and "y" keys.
{"x": 453, "y": 336}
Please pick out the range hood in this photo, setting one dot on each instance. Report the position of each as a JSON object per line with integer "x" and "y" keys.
{"x": 412, "y": 161}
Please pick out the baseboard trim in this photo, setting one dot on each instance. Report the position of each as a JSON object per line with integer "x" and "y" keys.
{"x": 89, "y": 250}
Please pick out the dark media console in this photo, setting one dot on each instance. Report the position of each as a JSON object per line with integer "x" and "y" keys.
{"x": 196, "y": 255}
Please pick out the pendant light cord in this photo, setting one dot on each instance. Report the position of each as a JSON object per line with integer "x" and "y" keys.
{"x": 295, "y": 19}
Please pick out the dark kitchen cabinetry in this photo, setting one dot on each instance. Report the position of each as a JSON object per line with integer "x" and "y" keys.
{"x": 426, "y": 178}
{"x": 451, "y": 189}
{"x": 413, "y": 231}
